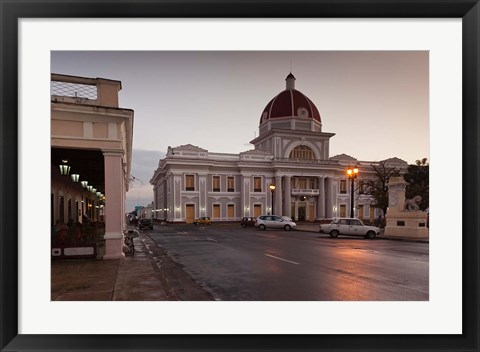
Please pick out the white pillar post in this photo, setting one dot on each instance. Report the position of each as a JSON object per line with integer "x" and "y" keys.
{"x": 242, "y": 197}
{"x": 114, "y": 206}
{"x": 329, "y": 198}
{"x": 287, "y": 205}
{"x": 278, "y": 196}
{"x": 321, "y": 199}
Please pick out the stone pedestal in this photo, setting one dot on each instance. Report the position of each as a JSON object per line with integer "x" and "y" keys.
{"x": 400, "y": 222}
{"x": 409, "y": 224}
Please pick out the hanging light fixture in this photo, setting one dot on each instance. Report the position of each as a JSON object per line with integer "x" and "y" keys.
{"x": 84, "y": 184}
{"x": 64, "y": 168}
{"x": 99, "y": 194}
{"x": 75, "y": 177}
{"x": 94, "y": 190}
{"x": 89, "y": 188}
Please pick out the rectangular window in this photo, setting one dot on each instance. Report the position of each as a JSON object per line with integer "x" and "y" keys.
{"x": 343, "y": 186}
{"x": 312, "y": 182}
{"x": 230, "y": 184}
{"x": 216, "y": 183}
{"x": 190, "y": 183}
{"x": 361, "y": 187}
{"x": 343, "y": 210}
{"x": 369, "y": 187}
{"x": 302, "y": 183}
{"x": 257, "y": 184}
{"x": 360, "y": 211}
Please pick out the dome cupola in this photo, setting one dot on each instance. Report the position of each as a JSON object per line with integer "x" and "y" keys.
{"x": 290, "y": 103}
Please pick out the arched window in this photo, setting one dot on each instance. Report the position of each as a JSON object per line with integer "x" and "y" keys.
{"x": 302, "y": 152}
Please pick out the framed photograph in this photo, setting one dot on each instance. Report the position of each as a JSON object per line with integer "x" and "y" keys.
{"x": 35, "y": 34}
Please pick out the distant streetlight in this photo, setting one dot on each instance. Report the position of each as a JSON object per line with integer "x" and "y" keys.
{"x": 272, "y": 189}
{"x": 352, "y": 174}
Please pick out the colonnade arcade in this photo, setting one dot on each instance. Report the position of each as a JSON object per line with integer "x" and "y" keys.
{"x": 304, "y": 198}
{"x": 72, "y": 202}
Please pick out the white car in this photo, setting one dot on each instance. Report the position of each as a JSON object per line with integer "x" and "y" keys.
{"x": 350, "y": 227}
{"x": 274, "y": 222}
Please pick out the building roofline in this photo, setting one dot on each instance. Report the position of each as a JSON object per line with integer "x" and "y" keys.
{"x": 82, "y": 80}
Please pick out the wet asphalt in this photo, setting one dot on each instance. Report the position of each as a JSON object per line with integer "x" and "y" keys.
{"x": 230, "y": 263}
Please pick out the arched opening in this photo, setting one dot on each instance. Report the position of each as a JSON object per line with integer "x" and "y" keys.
{"x": 302, "y": 152}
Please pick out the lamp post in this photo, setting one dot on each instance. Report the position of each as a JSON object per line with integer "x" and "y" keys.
{"x": 272, "y": 189}
{"x": 352, "y": 174}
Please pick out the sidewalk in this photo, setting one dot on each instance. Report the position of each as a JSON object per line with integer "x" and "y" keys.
{"x": 149, "y": 275}
{"x": 134, "y": 278}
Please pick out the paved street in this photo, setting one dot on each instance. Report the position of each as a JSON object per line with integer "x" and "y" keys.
{"x": 235, "y": 264}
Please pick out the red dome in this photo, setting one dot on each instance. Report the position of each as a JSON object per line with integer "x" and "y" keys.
{"x": 290, "y": 103}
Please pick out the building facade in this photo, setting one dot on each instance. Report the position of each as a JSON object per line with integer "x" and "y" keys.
{"x": 289, "y": 172}
{"x": 91, "y": 148}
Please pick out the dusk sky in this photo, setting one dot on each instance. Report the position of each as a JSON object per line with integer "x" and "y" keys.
{"x": 376, "y": 102}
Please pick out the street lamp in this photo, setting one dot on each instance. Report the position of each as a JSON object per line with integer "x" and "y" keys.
{"x": 352, "y": 174}
{"x": 272, "y": 189}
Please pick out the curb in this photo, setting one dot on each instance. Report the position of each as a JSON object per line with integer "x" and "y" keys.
{"x": 380, "y": 237}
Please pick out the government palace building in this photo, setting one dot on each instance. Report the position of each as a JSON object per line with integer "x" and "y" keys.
{"x": 289, "y": 172}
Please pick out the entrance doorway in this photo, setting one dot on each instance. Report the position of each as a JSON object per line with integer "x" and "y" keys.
{"x": 216, "y": 211}
{"x": 257, "y": 210}
{"x": 190, "y": 213}
{"x": 302, "y": 211}
{"x": 311, "y": 215}
{"x": 230, "y": 211}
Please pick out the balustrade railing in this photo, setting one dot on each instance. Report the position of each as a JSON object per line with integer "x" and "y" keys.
{"x": 305, "y": 192}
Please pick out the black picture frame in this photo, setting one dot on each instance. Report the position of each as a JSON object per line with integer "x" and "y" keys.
{"x": 11, "y": 11}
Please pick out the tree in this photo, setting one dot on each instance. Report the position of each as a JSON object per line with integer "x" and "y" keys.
{"x": 379, "y": 186}
{"x": 417, "y": 178}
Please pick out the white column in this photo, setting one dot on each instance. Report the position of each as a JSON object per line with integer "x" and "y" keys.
{"x": 242, "y": 196}
{"x": 114, "y": 206}
{"x": 155, "y": 205}
{"x": 124, "y": 196}
{"x": 321, "y": 199}
{"x": 329, "y": 199}
{"x": 278, "y": 195}
{"x": 246, "y": 189}
{"x": 287, "y": 205}
{"x": 177, "y": 198}
{"x": 202, "y": 194}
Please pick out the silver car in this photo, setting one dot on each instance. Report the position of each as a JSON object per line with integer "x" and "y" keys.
{"x": 274, "y": 222}
{"x": 350, "y": 227}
